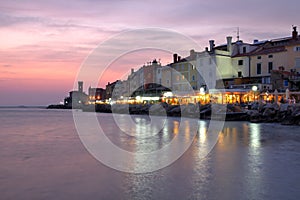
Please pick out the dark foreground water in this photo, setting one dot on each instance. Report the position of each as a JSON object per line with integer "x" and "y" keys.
{"x": 42, "y": 157}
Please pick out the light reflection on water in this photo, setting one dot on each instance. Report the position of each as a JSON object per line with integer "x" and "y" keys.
{"x": 42, "y": 158}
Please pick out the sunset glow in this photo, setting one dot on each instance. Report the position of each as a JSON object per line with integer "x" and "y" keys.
{"x": 43, "y": 43}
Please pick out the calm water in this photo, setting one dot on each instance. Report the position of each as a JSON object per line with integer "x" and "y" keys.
{"x": 41, "y": 157}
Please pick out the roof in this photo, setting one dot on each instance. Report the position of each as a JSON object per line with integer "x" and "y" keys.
{"x": 268, "y": 50}
{"x": 282, "y": 72}
{"x": 285, "y": 41}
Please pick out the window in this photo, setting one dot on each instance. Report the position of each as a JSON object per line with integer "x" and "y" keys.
{"x": 244, "y": 49}
{"x": 241, "y": 62}
{"x": 270, "y": 56}
{"x": 285, "y": 83}
{"x": 297, "y": 63}
{"x": 158, "y": 71}
{"x": 259, "y": 57}
{"x": 266, "y": 80}
{"x": 193, "y": 77}
{"x": 270, "y": 67}
{"x": 297, "y": 48}
{"x": 258, "y": 68}
{"x": 240, "y": 74}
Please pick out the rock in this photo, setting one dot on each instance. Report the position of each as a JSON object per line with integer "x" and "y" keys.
{"x": 174, "y": 111}
{"x": 268, "y": 112}
{"x": 253, "y": 113}
{"x": 157, "y": 109}
{"x": 237, "y": 109}
{"x": 288, "y": 120}
{"x": 284, "y": 107}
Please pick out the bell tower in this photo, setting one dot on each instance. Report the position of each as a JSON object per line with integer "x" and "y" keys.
{"x": 80, "y": 86}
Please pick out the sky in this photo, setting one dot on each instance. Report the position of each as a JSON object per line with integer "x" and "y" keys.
{"x": 44, "y": 43}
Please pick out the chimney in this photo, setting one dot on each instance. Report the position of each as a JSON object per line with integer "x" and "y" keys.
{"x": 255, "y": 41}
{"x": 175, "y": 58}
{"x": 132, "y": 70}
{"x": 295, "y": 33}
{"x": 229, "y": 44}
{"x": 179, "y": 58}
{"x": 206, "y": 49}
{"x": 211, "y": 45}
{"x": 192, "y": 52}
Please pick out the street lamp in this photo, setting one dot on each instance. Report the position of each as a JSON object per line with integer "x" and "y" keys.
{"x": 254, "y": 89}
{"x": 202, "y": 92}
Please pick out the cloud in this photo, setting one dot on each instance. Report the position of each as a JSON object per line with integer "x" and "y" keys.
{"x": 48, "y": 38}
{"x": 10, "y": 20}
{"x": 7, "y": 72}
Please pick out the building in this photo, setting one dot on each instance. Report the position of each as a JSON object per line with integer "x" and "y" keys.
{"x": 96, "y": 95}
{"x": 76, "y": 98}
{"x": 135, "y": 81}
{"x": 113, "y": 90}
{"x": 282, "y": 80}
{"x": 235, "y": 66}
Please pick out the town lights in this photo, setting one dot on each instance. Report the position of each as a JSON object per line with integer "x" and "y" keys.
{"x": 254, "y": 89}
{"x": 202, "y": 90}
{"x": 168, "y": 94}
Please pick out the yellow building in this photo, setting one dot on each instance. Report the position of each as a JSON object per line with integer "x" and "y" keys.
{"x": 278, "y": 54}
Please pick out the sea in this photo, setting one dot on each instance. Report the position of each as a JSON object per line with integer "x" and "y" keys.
{"x": 43, "y": 156}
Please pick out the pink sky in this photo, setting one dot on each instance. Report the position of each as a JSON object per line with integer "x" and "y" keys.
{"x": 43, "y": 43}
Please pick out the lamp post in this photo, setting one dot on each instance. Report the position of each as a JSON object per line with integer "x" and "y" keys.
{"x": 202, "y": 92}
{"x": 254, "y": 89}
{"x": 276, "y": 96}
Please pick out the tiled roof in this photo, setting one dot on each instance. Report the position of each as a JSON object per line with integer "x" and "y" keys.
{"x": 267, "y": 50}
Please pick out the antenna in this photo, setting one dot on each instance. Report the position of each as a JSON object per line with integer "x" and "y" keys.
{"x": 238, "y": 34}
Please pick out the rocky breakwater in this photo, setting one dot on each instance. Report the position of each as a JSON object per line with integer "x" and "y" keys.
{"x": 286, "y": 114}
{"x": 162, "y": 109}
{"x": 208, "y": 111}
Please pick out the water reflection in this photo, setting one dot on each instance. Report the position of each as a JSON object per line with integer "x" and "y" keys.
{"x": 250, "y": 161}
{"x": 254, "y": 136}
